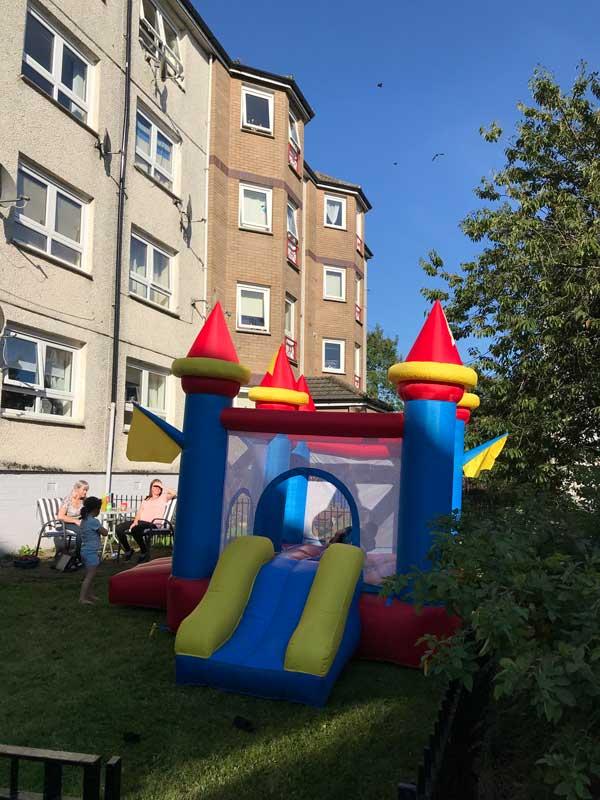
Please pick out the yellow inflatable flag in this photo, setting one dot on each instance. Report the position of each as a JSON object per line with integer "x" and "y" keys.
{"x": 483, "y": 457}
{"x": 148, "y": 442}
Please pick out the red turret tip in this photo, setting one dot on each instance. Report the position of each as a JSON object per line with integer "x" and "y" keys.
{"x": 433, "y": 369}
{"x": 214, "y": 339}
{"x": 277, "y": 391}
{"x": 435, "y": 341}
{"x": 302, "y": 386}
{"x": 212, "y": 365}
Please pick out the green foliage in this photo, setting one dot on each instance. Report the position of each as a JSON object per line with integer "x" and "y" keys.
{"x": 382, "y": 352}
{"x": 525, "y": 577}
{"x": 25, "y": 550}
{"x": 533, "y": 292}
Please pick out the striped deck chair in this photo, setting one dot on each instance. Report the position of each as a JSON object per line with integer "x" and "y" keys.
{"x": 164, "y": 526}
{"x": 52, "y": 528}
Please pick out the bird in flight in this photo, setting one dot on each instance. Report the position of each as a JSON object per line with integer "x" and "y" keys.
{"x": 395, "y": 163}
{"x": 380, "y": 85}
{"x": 437, "y": 155}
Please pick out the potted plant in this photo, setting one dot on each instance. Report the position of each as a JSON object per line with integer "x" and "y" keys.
{"x": 26, "y": 559}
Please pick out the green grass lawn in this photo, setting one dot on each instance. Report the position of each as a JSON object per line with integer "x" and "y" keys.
{"x": 78, "y": 677}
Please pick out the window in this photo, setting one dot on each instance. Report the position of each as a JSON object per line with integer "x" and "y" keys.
{"x": 56, "y": 67}
{"x": 255, "y": 207}
{"x": 253, "y": 307}
{"x": 334, "y": 283}
{"x": 357, "y": 365}
{"x": 290, "y": 316}
{"x": 257, "y": 110}
{"x": 335, "y": 212}
{"x": 154, "y": 151}
{"x": 359, "y": 232}
{"x": 40, "y": 376}
{"x": 160, "y": 37}
{"x": 358, "y": 302}
{"x": 292, "y": 233}
{"x": 149, "y": 272}
{"x": 53, "y": 219}
{"x": 333, "y": 355}
{"x": 293, "y": 130}
{"x": 146, "y": 387}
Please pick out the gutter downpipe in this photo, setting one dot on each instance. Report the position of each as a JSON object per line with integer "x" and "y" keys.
{"x": 119, "y": 251}
{"x": 211, "y": 59}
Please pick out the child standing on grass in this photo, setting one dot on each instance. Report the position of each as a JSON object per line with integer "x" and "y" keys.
{"x": 90, "y": 531}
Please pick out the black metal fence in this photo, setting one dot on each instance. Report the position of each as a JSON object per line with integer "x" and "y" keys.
{"x": 240, "y": 512}
{"x": 447, "y": 771}
{"x": 127, "y": 503}
{"x": 53, "y": 763}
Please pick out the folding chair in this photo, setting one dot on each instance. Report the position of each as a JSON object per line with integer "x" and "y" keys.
{"x": 52, "y": 528}
{"x": 164, "y": 526}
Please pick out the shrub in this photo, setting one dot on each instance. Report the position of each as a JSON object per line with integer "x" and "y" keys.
{"x": 525, "y": 578}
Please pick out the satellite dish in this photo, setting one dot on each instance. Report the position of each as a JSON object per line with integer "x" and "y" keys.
{"x": 164, "y": 68}
{"x": 2, "y": 320}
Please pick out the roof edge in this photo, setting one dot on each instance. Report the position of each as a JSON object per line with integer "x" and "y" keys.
{"x": 338, "y": 186}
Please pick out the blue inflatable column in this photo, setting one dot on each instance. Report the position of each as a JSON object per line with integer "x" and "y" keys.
{"x": 426, "y": 477}
{"x": 200, "y": 493}
{"x": 277, "y": 462}
{"x": 459, "y": 451}
{"x": 295, "y": 501}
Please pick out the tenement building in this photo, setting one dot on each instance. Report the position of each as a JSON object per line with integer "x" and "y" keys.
{"x": 144, "y": 176}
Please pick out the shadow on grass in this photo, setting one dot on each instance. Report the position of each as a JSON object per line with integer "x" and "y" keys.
{"x": 79, "y": 678}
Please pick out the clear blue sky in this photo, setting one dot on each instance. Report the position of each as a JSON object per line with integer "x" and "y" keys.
{"x": 447, "y": 69}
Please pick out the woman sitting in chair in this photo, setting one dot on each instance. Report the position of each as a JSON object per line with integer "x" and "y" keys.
{"x": 68, "y": 513}
{"x": 152, "y": 507}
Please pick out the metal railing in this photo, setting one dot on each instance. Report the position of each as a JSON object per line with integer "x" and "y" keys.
{"x": 54, "y": 761}
{"x": 127, "y": 503}
{"x": 334, "y": 518}
{"x": 238, "y": 521}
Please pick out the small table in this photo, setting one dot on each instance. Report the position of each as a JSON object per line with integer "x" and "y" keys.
{"x": 109, "y": 520}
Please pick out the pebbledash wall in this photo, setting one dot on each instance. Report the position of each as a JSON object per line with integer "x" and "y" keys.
{"x": 186, "y": 211}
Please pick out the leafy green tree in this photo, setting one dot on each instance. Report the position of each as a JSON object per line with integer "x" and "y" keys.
{"x": 533, "y": 292}
{"x": 525, "y": 579}
{"x": 382, "y": 352}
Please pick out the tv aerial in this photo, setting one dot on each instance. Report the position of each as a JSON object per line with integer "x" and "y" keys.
{"x": 9, "y": 195}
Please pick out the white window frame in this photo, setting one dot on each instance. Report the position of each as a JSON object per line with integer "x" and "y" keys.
{"x": 152, "y": 159}
{"x": 55, "y": 77}
{"x": 134, "y": 276}
{"x": 266, "y": 292}
{"x": 291, "y": 301}
{"x": 37, "y": 390}
{"x": 269, "y": 196}
{"x": 359, "y": 291}
{"x": 342, "y": 272}
{"x": 246, "y": 90}
{"x": 294, "y": 207}
{"x": 357, "y": 360}
{"x": 146, "y": 371}
{"x": 338, "y": 199}
{"x": 159, "y": 40}
{"x": 342, "y": 344}
{"x": 47, "y": 229}
{"x": 293, "y": 128}
{"x": 359, "y": 224}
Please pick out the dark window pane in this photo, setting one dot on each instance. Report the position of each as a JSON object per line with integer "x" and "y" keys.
{"x": 67, "y": 103}
{"x": 66, "y": 253}
{"x": 35, "y": 76}
{"x": 74, "y": 73}
{"x": 21, "y": 357}
{"x": 59, "y": 408}
{"x": 27, "y": 236}
{"x": 17, "y": 400}
{"x": 39, "y": 42}
{"x": 257, "y": 111}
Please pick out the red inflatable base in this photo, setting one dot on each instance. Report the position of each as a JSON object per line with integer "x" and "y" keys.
{"x": 183, "y": 595}
{"x": 144, "y": 585}
{"x": 390, "y": 630}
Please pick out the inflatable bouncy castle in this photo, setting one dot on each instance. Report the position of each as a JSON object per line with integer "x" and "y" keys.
{"x": 267, "y": 607}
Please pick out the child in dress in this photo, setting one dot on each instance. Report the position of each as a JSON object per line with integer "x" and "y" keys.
{"x": 90, "y": 531}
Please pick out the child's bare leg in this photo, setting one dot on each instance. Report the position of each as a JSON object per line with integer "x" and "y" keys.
{"x": 84, "y": 595}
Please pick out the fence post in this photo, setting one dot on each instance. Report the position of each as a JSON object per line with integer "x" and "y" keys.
{"x": 112, "y": 782}
{"x": 407, "y": 791}
{"x": 14, "y": 778}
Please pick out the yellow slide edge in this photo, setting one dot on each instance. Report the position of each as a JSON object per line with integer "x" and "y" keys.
{"x": 217, "y": 615}
{"x": 315, "y": 642}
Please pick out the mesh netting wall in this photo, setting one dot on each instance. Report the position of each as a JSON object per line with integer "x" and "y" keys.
{"x": 369, "y": 469}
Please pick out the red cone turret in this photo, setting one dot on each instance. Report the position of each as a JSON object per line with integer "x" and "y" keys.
{"x": 302, "y": 386}
{"x": 277, "y": 391}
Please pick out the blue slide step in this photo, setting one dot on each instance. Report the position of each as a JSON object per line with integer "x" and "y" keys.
{"x": 252, "y": 661}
